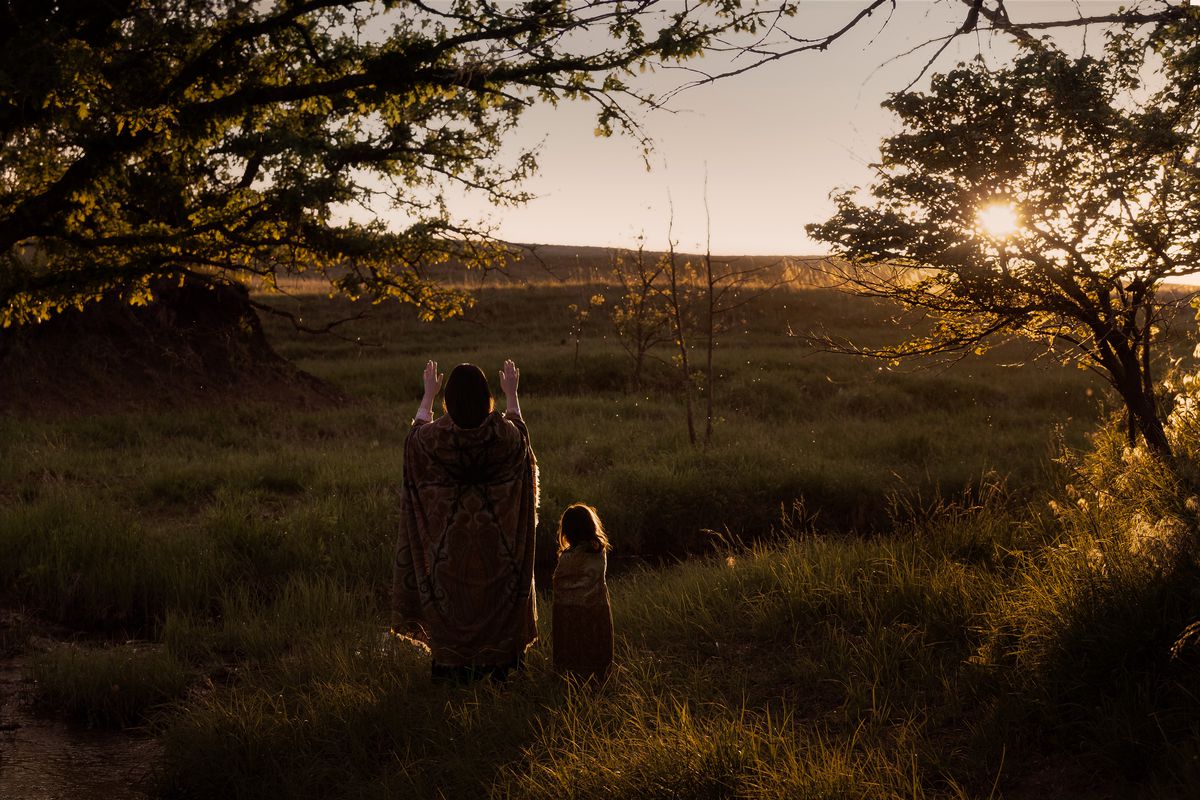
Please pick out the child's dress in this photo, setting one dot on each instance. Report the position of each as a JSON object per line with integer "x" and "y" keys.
{"x": 583, "y": 627}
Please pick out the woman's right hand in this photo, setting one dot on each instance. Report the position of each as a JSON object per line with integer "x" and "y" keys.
{"x": 510, "y": 376}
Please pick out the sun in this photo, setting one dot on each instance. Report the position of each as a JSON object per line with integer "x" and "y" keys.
{"x": 999, "y": 219}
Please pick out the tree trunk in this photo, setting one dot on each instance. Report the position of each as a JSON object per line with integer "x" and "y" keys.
{"x": 1143, "y": 413}
{"x": 197, "y": 342}
{"x": 710, "y": 286}
{"x": 1153, "y": 432}
{"x": 680, "y": 339}
{"x": 710, "y": 379}
{"x": 1126, "y": 359}
{"x": 578, "y": 376}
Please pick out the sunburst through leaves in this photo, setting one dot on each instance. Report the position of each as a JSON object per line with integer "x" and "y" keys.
{"x": 998, "y": 220}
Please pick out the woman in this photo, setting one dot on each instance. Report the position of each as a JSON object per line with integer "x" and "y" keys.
{"x": 463, "y": 577}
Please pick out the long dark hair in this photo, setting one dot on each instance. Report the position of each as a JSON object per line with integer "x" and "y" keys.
{"x": 467, "y": 397}
{"x": 580, "y": 525}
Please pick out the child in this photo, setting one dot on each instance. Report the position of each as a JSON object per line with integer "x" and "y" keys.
{"x": 583, "y": 627}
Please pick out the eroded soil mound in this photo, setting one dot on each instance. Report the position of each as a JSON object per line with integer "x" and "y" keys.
{"x": 195, "y": 343}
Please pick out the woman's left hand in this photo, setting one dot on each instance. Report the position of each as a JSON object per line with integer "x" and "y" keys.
{"x": 433, "y": 380}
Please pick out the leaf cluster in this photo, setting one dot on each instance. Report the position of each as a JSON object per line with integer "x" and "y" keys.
{"x": 236, "y": 138}
{"x": 1098, "y": 156}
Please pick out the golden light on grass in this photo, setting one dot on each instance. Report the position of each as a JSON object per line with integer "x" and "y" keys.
{"x": 999, "y": 219}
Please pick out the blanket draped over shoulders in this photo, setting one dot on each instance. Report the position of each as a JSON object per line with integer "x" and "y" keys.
{"x": 463, "y": 569}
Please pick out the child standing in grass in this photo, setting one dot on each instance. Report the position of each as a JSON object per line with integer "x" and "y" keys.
{"x": 583, "y": 627}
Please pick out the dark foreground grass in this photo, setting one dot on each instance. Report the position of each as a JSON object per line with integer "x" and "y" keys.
{"x": 118, "y": 685}
{"x": 904, "y": 666}
{"x": 877, "y": 641}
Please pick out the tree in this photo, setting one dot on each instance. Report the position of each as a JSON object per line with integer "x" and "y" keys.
{"x": 726, "y": 288}
{"x": 226, "y": 138}
{"x": 979, "y": 17}
{"x": 579, "y": 313}
{"x": 1047, "y": 200}
{"x": 681, "y": 294}
{"x": 640, "y": 315}
{"x": 143, "y": 139}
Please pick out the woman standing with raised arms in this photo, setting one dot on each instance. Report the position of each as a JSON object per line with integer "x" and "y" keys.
{"x": 463, "y": 569}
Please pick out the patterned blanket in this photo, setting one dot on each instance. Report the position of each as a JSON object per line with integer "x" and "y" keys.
{"x": 463, "y": 570}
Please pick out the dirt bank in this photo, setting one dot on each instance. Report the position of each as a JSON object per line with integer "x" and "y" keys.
{"x": 195, "y": 343}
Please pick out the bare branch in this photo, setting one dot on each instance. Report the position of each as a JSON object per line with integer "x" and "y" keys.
{"x": 327, "y": 329}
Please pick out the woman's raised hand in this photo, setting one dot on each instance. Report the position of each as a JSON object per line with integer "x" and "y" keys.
{"x": 433, "y": 381}
{"x": 510, "y": 375}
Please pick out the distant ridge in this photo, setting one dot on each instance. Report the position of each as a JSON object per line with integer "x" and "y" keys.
{"x": 570, "y": 264}
{"x": 560, "y": 264}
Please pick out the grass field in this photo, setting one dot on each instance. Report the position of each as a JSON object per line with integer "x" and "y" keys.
{"x": 842, "y": 433}
{"x": 912, "y": 621}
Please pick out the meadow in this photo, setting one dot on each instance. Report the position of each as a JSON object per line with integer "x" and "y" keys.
{"x": 874, "y": 582}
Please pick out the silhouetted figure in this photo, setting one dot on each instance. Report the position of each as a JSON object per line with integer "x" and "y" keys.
{"x": 583, "y": 626}
{"x": 463, "y": 577}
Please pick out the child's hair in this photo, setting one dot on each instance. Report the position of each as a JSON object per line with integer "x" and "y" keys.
{"x": 580, "y": 525}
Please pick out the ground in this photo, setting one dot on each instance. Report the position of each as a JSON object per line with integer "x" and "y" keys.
{"x": 879, "y": 616}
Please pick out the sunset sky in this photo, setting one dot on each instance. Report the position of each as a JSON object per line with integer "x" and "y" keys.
{"x": 774, "y": 141}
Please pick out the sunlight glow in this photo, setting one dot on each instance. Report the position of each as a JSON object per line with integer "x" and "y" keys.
{"x": 999, "y": 220}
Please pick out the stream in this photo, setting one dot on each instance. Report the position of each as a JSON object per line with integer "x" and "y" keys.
{"x": 46, "y": 758}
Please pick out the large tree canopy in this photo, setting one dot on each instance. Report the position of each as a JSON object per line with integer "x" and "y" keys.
{"x": 1093, "y": 162}
{"x": 150, "y": 138}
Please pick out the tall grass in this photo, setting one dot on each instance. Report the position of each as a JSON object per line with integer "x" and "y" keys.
{"x": 117, "y": 686}
{"x": 888, "y": 604}
{"x": 115, "y": 521}
{"x": 817, "y": 667}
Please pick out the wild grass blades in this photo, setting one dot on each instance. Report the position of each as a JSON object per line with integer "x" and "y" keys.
{"x": 756, "y": 694}
{"x": 117, "y": 686}
{"x": 1083, "y": 637}
{"x": 78, "y": 561}
{"x": 667, "y": 748}
{"x": 256, "y": 627}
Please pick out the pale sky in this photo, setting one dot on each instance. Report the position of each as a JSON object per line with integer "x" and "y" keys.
{"x": 774, "y": 141}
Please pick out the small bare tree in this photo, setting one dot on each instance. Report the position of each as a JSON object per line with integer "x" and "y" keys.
{"x": 681, "y": 286}
{"x": 726, "y": 289}
{"x": 579, "y": 315}
{"x": 641, "y": 316}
